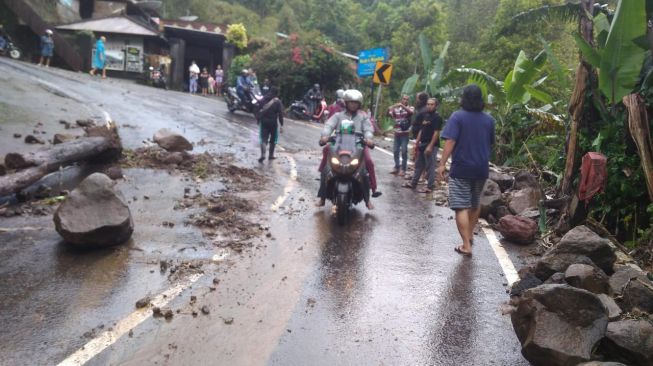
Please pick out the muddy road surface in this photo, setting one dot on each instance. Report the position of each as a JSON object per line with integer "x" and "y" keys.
{"x": 275, "y": 282}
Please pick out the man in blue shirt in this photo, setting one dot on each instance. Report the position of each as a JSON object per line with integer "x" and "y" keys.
{"x": 469, "y": 136}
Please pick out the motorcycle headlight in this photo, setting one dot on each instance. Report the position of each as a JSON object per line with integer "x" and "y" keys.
{"x": 354, "y": 162}
{"x": 335, "y": 161}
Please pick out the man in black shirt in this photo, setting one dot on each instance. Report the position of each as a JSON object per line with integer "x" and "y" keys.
{"x": 271, "y": 110}
{"x": 428, "y": 141}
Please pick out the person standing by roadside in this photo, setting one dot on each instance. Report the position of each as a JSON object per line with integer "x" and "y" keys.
{"x": 420, "y": 106}
{"x": 47, "y": 48}
{"x": 204, "y": 81}
{"x": 469, "y": 136}
{"x": 401, "y": 113}
{"x": 428, "y": 142}
{"x": 211, "y": 85}
{"x": 271, "y": 111}
{"x": 219, "y": 76}
{"x": 100, "y": 58}
{"x": 193, "y": 75}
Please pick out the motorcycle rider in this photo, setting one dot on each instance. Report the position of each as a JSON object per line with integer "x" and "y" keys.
{"x": 353, "y": 101}
{"x": 312, "y": 97}
{"x": 243, "y": 85}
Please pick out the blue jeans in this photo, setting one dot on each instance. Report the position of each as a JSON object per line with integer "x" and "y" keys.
{"x": 428, "y": 163}
{"x": 401, "y": 143}
{"x": 193, "y": 86}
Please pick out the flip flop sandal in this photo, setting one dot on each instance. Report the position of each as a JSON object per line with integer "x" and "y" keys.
{"x": 459, "y": 250}
{"x": 408, "y": 185}
{"x": 425, "y": 190}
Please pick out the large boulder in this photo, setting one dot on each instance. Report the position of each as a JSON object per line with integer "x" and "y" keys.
{"x": 588, "y": 278}
{"x": 504, "y": 181}
{"x": 552, "y": 263}
{"x": 171, "y": 141}
{"x": 94, "y": 215}
{"x": 490, "y": 198}
{"x": 638, "y": 293}
{"x": 583, "y": 241}
{"x": 525, "y": 199}
{"x": 524, "y": 179}
{"x": 559, "y": 324}
{"x": 629, "y": 341}
{"x": 520, "y": 230}
{"x": 622, "y": 277}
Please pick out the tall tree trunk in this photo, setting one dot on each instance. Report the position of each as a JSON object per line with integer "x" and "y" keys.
{"x": 639, "y": 130}
{"x": 577, "y": 102}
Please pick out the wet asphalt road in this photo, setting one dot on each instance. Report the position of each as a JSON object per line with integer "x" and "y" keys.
{"x": 386, "y": 290}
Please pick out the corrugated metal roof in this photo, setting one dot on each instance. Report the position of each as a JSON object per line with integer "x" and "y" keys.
{"x": 120, "y": 25}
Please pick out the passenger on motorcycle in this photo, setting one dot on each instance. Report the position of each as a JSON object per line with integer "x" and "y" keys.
{"x": 339, "y": 104}
{"x": 243, "y": 85}
{"x": 353, "y": 101}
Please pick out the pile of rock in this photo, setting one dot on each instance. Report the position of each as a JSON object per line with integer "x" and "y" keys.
{"x": 512, "y": 205}
{"x": 584, "y": 301}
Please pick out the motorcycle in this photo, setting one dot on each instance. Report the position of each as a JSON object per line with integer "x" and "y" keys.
{"x": 347, "y": 175}
{"x": 11, "y": 49}
{"x": 157, "y": 78}
{"x": 300, "y": 110}
{"x": 235, "y": 103}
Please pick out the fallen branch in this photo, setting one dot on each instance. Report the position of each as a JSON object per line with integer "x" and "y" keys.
{"x": 101, "y": 144}
{"x": 58, "y": 155}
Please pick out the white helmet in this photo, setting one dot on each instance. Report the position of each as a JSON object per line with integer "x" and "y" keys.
{"x": 340, "y": 93}
{"x": 353, "y": 95}
{"x": 47, "y": 31}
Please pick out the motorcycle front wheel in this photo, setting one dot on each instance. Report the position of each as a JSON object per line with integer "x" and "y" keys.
{"x": 342, "y": 208}
{"x": 15, "y": 54}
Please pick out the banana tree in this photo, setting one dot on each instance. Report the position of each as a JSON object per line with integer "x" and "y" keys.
{"x": 617, "y": 56}
{"x": 433, "y": 70}
{"x": 511, "y": 97}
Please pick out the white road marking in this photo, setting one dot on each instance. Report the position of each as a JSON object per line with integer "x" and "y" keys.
{"x": 500, "y": 252}
{"x": 106, "y": 339}
{"x": 290, "y": 185}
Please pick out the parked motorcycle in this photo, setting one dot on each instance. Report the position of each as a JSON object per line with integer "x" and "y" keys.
{"x": 11, "y": 49}
{"x": 300, "y": 110}
{"x": 347, "y": 175}
{"x": 157, "y": 78}
{"x": 235, "y": 103}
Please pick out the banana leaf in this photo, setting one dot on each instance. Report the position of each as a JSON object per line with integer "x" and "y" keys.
{"x": 622, "y": 59}
{"x": 524, "y": 73}
{"x": 539, "y": 94}
{"x": 409, "y": 85}
{"x": 425, "y": 50}
{"x": 590, "y": 55}
{"x": 437, "y": 73}
{"x": 481, "y": 78}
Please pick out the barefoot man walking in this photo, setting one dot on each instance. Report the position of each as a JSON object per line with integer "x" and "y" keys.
{"x": 469, "y": 136}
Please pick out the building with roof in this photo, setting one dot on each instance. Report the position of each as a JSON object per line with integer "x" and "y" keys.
{"x": 128, "y": 40}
